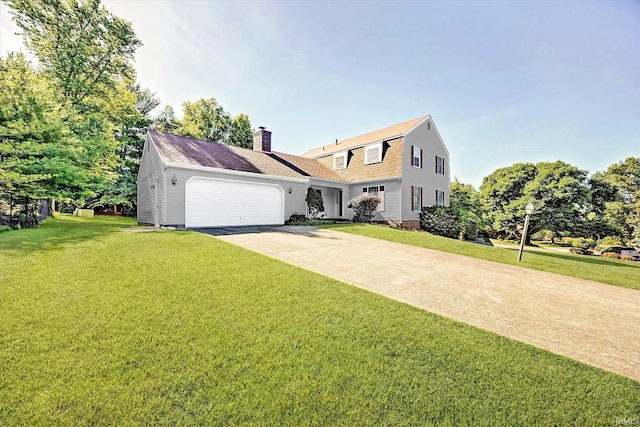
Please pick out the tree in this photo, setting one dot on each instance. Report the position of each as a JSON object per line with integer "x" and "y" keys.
{"x": 240, "y": 133}
{"x": 625, "y": 212}
{"x": 501, "y": 193}
{"x": 558, "y": 190}
{"x": 205, "y": 119}
{"x": 83, "y": 48}
{"x": 595, "y": 224}
{"x": 465, "y": 200}
{"x": 38, "y": 156}
{"x": 133, "y": 118}
{"x": 86, "y": 53}
{"x": 166, "y": 121}
{"x": 314, "y": 201}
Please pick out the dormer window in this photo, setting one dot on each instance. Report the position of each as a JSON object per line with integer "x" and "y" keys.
{"x": 373, "y": 153}
{"x": 340, "y": 160}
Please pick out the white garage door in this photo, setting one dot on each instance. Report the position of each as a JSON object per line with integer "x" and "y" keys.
{"x": 220, "y": 203}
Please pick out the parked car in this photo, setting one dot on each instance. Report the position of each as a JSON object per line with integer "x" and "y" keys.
{"x": 623, "y": 250}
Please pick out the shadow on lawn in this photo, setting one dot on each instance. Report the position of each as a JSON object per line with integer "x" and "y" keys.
{"x": 59, "y": 231}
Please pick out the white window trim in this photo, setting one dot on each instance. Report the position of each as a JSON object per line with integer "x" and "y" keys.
{"x": 380, "y": 190}
{"x": 371, "y": 147}
{"x": 416, "y": 191}
{"x": 342, "y": 154}
{"x": 413, "y": 157}
{"x": 440, "y": 165}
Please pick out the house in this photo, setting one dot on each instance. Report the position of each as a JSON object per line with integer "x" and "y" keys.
{"x": 192, "y": 183}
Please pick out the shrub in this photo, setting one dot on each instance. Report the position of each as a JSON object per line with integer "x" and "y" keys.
{"x": 441, "y": 221}
{"x": 607, "y": 242}
{"x": 297, "y": 219}
{"x": 364, "y": 208}
{"x": 610, "y": 255}
{"x": 627, "y": 257}
{"x": 314, "y": 200}
{"x": 584, "y": 244}
{"x": 581, "y": 251}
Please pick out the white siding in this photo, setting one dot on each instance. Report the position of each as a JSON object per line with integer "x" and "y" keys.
{"x": 150, "y": 173}
{"x": 426, "y": 137}
{"x": 392, "y": 188}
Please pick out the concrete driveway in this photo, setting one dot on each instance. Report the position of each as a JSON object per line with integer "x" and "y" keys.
{"x": 594, "y": 323}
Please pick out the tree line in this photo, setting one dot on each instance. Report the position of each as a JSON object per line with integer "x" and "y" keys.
{"x": 72, "y": 126}
{"x": 568, "y": 202}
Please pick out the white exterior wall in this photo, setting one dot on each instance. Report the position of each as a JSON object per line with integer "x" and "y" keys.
{"x": 392, "y": 198}
{"x": 175, "y": 195}
{"x": 150, "y": 201}
{"x": 425, "y": 136}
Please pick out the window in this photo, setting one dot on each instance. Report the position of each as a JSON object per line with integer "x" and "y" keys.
{"x": 439, "y": 198}
{"x": 416, "y": 156}
{"x": 340, "y": 160}
{"x": 416, "y": 202}
{"x": 373, "y": 153}
{"x": 378, "y": 192}
{"x": 439, "y": 165}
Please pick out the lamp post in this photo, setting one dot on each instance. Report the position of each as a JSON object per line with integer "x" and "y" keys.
{"x": 528, "y": 210}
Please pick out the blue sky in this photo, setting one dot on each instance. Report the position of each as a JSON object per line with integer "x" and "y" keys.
{"x": 505, "y": 82}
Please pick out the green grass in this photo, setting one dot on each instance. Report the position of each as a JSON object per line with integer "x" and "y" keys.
{"x": 605, "y": 270}
{"x": 104, "y": 327}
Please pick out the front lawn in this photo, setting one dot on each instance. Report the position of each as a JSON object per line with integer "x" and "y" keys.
{"x": 100, "y": 326}
{"x": 605, "y": 270}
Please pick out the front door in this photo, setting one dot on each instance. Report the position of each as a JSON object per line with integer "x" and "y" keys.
{"x": 339, "y": 202}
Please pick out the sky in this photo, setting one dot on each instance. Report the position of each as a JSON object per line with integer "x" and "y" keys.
{"x": 505, "y": 82}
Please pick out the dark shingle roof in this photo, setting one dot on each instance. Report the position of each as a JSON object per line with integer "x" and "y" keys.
{"x": 193, "y": 152}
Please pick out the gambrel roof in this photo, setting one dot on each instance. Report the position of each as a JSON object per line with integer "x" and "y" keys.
{"x": 385, "y": 134}
{"x": 391, "y": 140}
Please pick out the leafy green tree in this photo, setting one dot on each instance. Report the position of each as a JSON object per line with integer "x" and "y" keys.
{"x": 502, "y": 196}
{"x": 83, "y": 48}
{"x": 625, "y": 212}
{"x": 205, "y": 119}
{"x": 166, "y": 121}
{"x": 240, "y": 133}
{"x": 86, "y": 54}
{"x": 38, "y": 153}
{"x": 465, "y": 200}
{"x": 595, "y": 224}
{"x": 133, "y": 118}
{"x": 558, "y": 190}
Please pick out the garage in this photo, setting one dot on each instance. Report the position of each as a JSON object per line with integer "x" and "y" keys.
{"x": 211, "y": 202}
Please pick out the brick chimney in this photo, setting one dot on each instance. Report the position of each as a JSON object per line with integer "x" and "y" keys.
{"x": 262, "y": 140}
